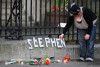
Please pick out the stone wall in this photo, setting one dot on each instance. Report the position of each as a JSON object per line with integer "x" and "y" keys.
{"x": 34, "y": 7}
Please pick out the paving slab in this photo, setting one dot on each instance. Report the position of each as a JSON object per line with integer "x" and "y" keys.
{"x": 72, "y": 63}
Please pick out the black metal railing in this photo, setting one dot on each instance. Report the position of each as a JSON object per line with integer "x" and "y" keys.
{"x": 20, "y": 18}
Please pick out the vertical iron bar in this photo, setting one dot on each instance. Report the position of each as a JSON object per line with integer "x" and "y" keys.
{"x": 6, "y": 18}
{"x": 91, "y": 4}
{"x": 59, "y": 13}
{"x": 54, "y": 16}
{"x": 78, "y": 2}
{"x": 35, "y": 15}
{"x": 73, "y": 32}
{"x": 20, "y": 19}
{"x": 68, "y": 18}
{"x": 0, "y": 16}
{"x": 86, "y": 3}
{"x": 81, "y": 2}
{"x": 99, "y": 19}
{"x": 11, "y": 11}
{"x": 73, "y": 29}
{"x": 40, "y": 16}
{"x": 45, "y": 22}
{"x": 15, "y": 17}
{"x": 30, "y": 17}
{"x": 16, "y": 14}
{"x": 95, "y": 6}
{"x": 25, "y": 17}
{"x": 64, "y": 12}
{"x": 50, "y": 18}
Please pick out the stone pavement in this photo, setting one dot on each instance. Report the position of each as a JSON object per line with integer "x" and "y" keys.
{"x": 73, "y": 63}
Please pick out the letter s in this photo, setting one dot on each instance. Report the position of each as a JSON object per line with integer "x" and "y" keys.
{"x": 29, "y": 42}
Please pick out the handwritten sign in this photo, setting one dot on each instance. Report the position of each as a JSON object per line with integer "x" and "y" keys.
{"x": 46, "y": 42}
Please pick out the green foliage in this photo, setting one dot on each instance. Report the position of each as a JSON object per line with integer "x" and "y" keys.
{"x": 59, "y": 5}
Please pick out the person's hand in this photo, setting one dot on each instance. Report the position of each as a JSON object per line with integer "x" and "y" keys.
{"x": 61, "y": 36}
{"x": 87, "y": 36}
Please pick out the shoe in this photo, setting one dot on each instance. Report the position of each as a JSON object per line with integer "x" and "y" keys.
{"x": 89, "y": 59}
{"x": 81, "y": 59}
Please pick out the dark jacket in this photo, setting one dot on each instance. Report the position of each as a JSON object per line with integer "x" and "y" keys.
{"x": 89, "y": 17}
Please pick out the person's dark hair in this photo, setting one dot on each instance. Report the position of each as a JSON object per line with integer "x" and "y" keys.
{"x": 74, "y": 9}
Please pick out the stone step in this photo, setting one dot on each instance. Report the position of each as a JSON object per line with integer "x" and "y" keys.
{"x": 13, "y": 49}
